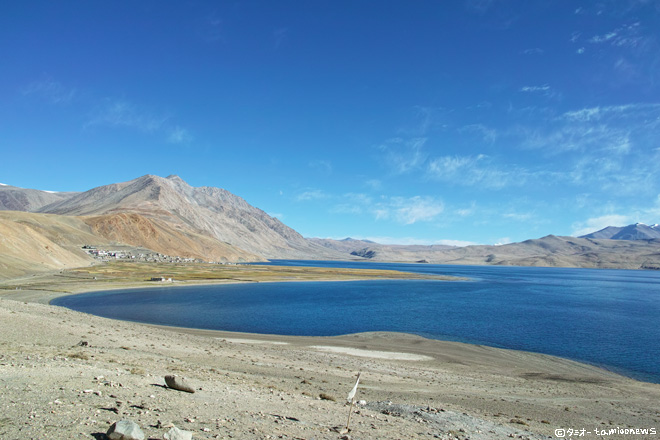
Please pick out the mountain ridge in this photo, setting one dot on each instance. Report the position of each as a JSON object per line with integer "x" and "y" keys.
{"x": 205, "y": 210}
{"x": 169, "y": 216}
{"x": 636, "y": 231}
{"x": 13, "y": 198}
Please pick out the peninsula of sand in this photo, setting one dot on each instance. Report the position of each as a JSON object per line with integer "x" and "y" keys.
{"x": 65, "y": 374}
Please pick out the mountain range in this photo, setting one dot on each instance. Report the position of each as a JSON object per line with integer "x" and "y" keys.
{"x": 638, "y": 231}
{"x": 44, "y": 230}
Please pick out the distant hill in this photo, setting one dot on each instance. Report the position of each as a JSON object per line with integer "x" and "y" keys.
{"x": 550, "y": 251}
{"x": 638, "y": 231}
{"x": 381, "y": 252}
{"x": 21, "y": 199}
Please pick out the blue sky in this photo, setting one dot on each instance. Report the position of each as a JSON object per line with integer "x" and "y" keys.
{"x": 480, "y": 121}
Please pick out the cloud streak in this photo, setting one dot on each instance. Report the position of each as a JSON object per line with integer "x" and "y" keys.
{"x": 409, "y": 210}
{"x": 403, "y": 156}
{"x": 121, "y": 113}
{"x": 179, "y": 135}
{"x": 474, "y": 170}
{"x": 50, "y": 90}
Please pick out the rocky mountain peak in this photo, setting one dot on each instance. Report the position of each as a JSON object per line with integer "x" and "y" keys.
{"x": 211, "y": 211}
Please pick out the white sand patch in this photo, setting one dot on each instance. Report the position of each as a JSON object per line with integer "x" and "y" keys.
{"x": 374, "y": 354}
{"x": 251, "y": 341}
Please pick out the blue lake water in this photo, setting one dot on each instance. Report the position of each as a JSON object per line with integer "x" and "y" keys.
{"x": 608, "y": 318}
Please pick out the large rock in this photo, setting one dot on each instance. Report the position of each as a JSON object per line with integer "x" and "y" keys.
{"x": 177, "y": 434}
{"x": 178, "y": 383}
{"x": 125, "y": 430}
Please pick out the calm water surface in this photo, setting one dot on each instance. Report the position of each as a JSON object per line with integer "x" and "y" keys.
{"x": 606, "y": 317}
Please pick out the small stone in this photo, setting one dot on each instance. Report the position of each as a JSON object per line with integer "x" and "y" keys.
{"x": 177, "y": 434}
{"x": 125, "y": 430}
{"x": 178, "y": 383}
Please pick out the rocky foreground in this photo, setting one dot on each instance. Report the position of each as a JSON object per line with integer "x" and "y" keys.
{"x": 66, "y": 375}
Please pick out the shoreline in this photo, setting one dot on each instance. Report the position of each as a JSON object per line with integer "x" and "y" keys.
{"x": 254, "y": 385}
{"x": 28, "y": 296}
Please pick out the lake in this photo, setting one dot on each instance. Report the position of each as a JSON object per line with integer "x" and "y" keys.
{"x": 609, "y": 318}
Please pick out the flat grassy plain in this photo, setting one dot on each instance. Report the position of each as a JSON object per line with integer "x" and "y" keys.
{"x": 122, "y": 274}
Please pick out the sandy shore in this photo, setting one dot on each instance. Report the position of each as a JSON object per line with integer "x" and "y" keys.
{"x": 65, "y": 374}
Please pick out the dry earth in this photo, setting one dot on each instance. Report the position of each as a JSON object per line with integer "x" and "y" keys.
{"x": 65, "y": 374}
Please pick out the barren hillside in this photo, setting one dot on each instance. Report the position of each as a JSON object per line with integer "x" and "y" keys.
{"x": 23, "y": 199}
{"x": 37, "y": 242}
{"x": 213, "y": 212}
{"x": 160, "y": 236}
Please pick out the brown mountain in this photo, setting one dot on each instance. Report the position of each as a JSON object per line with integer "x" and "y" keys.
{"x": 40, "y": 242}
{"x": 165, "y": 238}
{"x": 173, "y": 205}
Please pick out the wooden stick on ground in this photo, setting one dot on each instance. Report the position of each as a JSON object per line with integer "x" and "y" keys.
{"x": 351, "y": 398}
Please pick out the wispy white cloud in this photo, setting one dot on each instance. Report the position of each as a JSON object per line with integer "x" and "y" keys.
{"x": 474, "y": 170}
{"x": 122, "y": 113}
{"x": 610, "y": 147}
{"x": 403, "y": 210}
{"x": 544, "y": 90}
{"x": 603, "y": 38}
{"x": 50, "y": 90}
{"x": 528, "y": 89}
{"x": 467, "y": 211}
{"x": 314, "y": 194}
{"x": 518, "y": 216}
{"x": 179, "y": 135}
{"x": 404, "y": 155}
{"x": 353, "y": 203}
{"x": 635, "y": 112}
{"x": 410, "y": 210}
{"x": 628, "y": 36}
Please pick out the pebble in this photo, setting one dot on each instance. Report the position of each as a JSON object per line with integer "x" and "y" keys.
{"x": 125, "y": 430}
